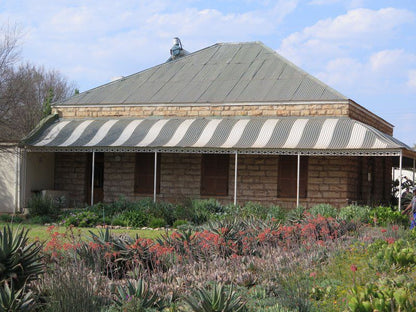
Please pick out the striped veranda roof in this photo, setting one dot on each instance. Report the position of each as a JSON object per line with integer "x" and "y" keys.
{"x": 271, "y": 135}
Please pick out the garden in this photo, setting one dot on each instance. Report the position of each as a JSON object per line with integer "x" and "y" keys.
{"x": 204, "y": 256}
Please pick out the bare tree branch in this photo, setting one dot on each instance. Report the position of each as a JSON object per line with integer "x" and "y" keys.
{"x": 26, "y": 91}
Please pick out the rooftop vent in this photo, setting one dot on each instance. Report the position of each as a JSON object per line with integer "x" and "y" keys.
{"x": 177, "y": 50}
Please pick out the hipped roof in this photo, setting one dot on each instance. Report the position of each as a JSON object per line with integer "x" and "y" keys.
{"x": 221, "y": 73}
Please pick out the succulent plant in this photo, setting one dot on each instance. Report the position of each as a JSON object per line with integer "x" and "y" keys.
{"x": 20, "y": 262}
{"x": 138, "y": 296}
{"x": 12, "y": 299}
{"x": 219, "y": 299}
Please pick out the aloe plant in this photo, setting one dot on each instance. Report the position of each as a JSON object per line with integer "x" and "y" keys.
{"x": 219, "y": 299}
{"x": 138, "y": 296}
{"x": 20, "y": 262}
{"x": 12, "y": 299}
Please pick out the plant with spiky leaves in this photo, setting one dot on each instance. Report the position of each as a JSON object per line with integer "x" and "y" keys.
{"x": 20, "y": 262}
{"x": 136, "y": 296}
{"x": 12, "y": 299}
{"x": 219, "y": 299}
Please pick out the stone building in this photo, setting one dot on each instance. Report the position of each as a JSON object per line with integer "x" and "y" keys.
{"x": 233, "y": 121}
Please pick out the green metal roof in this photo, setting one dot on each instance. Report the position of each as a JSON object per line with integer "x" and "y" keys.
{"x": 221, "y": 73}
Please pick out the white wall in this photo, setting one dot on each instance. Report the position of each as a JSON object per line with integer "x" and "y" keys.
{"x": 8, "y": 179}
{"x": 40, "y": 172}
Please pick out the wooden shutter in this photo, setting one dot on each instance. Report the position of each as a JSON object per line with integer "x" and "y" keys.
{"x": 287, "y": 178}
{"x": 214, "y": 174}
{"x": 144, "y": 173}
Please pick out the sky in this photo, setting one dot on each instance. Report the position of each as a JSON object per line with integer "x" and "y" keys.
{"x": 365, "y": 49}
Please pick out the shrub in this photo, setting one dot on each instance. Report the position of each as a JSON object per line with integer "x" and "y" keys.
{"x": 325, "y": 210}
{"x": 276, "y": 212}
{"x": 118, "y": 220}
{"x": 39, "y": 205}
{"x": 11, "y": 218}
{"x": 206, "y": 209}
{"x": 40, "y": 219}
{"x": 254, "y": 209}
{"x": 157, "y": 222}
{"x": 135, "y": 218}
{"x": 385, "y": 216}
{"x": 82, "y": 219}
{"x": 185, "y": 211}
{"x": 355, "y": 213}
{"x": 211, "y": 205}
{"x": 165, "y": 211}
{"x": 179, "y": 223}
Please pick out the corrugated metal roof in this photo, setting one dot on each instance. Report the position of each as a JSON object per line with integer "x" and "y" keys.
{"x": 225, "y": 72}
{"x": 311, "y": 133}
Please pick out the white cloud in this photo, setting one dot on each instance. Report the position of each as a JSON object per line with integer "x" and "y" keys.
{"x": 96, "y": 40}
{"x": 324, "y": 2}
{"x": 346, "y": 3}
{"x": 361, "y": 29}
{"x": 384, "y": 71}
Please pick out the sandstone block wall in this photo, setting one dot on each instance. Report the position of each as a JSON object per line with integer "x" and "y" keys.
{"x": 334, "y": 180}
{"x": 227, "y": 110}
{"x": 70, "y": 175}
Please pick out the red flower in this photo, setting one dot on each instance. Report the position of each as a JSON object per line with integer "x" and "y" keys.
{"x": 353, "y": 268}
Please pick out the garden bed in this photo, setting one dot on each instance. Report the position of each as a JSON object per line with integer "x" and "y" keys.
{"x": 356, "y": 259}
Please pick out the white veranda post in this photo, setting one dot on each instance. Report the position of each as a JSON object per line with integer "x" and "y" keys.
{"x": 155, "y": 179}
{"x": 297, "y": 181}
{"x": 400, "y": 180}
{"x": 235, "y": 178}
{"x": 92, "y": 177}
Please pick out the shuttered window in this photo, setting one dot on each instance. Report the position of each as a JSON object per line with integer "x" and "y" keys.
{"x": 287, "y": 178}
{"x": 144, "y": 173}
{"x": 214, "y": 174}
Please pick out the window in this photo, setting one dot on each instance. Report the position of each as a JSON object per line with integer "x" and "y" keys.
{"x": 287, "y": 178}
{"x": 214, "y": 174}
{"x": 144, "y": 173}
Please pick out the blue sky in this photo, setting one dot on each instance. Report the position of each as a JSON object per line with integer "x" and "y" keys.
{"x": 365, "y": 49}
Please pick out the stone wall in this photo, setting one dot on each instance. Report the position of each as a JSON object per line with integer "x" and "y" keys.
{"x": 70, "y": 175}
{"x": 118, "y": 176}
{"x": 335, "y": 180}
{"x": 351, "y": 110}
{"x": 256, "y": 178}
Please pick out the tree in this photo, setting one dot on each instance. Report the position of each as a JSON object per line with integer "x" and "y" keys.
{"x": 26, "y": 91}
